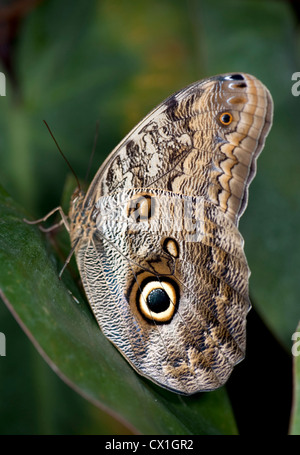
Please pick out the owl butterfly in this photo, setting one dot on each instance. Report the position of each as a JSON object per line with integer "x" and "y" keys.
{"x": 156, "y": 235}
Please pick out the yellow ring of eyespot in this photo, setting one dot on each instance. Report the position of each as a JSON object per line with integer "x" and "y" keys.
{"x": 230, "y": 118}
{"x": 163, "y": 316}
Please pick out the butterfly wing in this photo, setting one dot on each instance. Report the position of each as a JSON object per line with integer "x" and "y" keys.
{"x": 189, "y": 336}
{"x": 159, "y": 252}
{"x": 184, "y": 145}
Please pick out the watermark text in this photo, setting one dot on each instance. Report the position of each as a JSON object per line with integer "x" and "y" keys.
{"x": 2, "y": 84}
{"x": 296, "y": 345}
{"x": 296, "y": 85}
{"x": 2, "y": 345}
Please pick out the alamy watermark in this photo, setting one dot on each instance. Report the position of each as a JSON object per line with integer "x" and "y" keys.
{"x": 296, "y": 86}
{"x": 2, "y": 345}
{"x": 2, "y": 84}
{"x": 296, "y": 345}
{"x": 151, "y": 213}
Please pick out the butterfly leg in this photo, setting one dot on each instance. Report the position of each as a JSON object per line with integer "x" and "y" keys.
{"x": 64, "y": 220}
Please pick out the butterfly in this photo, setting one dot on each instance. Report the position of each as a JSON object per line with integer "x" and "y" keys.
{"x": 156, "y": 235}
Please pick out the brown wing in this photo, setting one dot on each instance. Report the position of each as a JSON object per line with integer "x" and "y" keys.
{"x": 202, "y": 141}
{"x": 173, "y": 296}
{"x": 170, "y": 291}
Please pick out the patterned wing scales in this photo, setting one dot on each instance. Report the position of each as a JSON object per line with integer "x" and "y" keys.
{"x": 156, "y": 237}
{"x": 184, "y": 146}
{"x": 186, "y": 243}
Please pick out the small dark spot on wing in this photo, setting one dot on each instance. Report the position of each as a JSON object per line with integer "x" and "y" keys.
{"x": 172, "y": 105}
{"x": 236, "y": 77}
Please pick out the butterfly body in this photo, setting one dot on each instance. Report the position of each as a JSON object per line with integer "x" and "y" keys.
{"x": 156, "y": 236}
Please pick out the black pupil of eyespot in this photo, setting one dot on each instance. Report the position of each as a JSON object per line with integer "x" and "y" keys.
{"x": 226, "y": 118}
{"x": 158, "y": 300}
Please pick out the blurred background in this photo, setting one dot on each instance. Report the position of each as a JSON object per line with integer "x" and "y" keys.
{"x": 78, "y": 63}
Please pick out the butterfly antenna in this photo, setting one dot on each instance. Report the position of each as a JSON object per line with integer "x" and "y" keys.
{"x": 64, "y": 157}
{"x": 93, "y": 150}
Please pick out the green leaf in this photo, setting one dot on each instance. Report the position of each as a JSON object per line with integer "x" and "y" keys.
{"x": 34, "y": 400}
{"x": 66, "y": 334}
